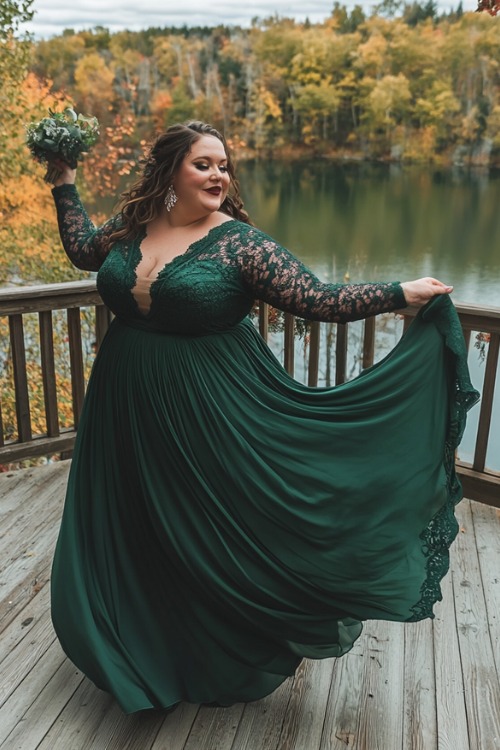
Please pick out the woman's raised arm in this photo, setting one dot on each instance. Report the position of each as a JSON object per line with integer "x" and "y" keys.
{"x": 86, "y": 246}
{"x": 274, "y": 275}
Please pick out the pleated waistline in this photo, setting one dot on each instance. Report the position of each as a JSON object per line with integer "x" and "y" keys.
{"x": 145, "y": 326}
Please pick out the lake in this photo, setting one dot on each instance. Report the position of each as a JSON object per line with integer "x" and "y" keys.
{"x": 380, "y": 222}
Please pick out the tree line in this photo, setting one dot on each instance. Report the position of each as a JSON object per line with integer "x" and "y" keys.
{"x": 403, "y": 83}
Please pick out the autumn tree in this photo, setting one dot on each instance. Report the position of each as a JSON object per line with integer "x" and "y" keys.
{"x": 57, "y": 58}
{"x": 94, "y": 86}
{"x": 401, "y": 81}
{"x": 15, "y": 49}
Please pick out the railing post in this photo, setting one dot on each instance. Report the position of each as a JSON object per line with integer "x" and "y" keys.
{"x": 369, "y": 343}
{"x": 20, "y": 377}
{"x": 264, "y": 320}
{"x": 341, "y": 354}
{"x": 289, "y": 358}
{"x": 48, "y": 372}
{"x": 483, "y": 429}
{"x": 313, "y": 368}
{"x": 76, "y": 361}
{"x": 102, "y": 321}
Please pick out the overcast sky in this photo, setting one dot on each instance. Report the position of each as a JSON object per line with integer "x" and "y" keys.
{"x": 53, "y": 16}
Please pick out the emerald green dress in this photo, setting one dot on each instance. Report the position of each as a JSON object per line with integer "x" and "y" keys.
{"x": 222, "y": 520}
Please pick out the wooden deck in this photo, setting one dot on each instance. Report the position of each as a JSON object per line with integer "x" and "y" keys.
{"x": 429, "y": 685}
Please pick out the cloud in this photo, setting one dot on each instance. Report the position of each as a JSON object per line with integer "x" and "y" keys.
{"x": 53, "y": 16}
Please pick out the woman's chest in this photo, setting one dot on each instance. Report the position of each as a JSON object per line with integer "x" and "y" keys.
{"x": 189, "y": 294}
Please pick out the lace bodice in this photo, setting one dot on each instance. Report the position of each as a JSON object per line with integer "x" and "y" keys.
{"x": 211, "y": 286}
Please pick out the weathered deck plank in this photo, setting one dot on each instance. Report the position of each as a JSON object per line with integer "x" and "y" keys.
{"x": 342, "y": 716}
{"x": 15, "y": 710}
{"x": 175, "y": 729}
{"x": 26, "y": 557}
{"x": 427, "y": 686}
{"x": 305, "y": 714}
{"x": 482, "y": 697}
{"x": 19, "y": 662}
{"x": 381, "y": 706}
{"x": 261, "y": 722}
{"x": 450, "y": 693}
{"x": 487, "y": 530}
{"x": 419, "y": 714}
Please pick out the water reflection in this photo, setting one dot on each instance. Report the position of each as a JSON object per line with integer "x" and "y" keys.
{"x": 383, "y": 222}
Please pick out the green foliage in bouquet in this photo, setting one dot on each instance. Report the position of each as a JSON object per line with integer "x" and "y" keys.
{"x": 61, "y": 135}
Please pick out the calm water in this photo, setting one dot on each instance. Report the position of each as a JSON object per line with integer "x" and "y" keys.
{"x": 383, "y": 222}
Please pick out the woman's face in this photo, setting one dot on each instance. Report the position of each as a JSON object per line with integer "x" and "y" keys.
{"x": 202, "y": 180}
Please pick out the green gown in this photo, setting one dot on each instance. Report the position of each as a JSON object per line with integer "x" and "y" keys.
{"x": 223, "y": 521}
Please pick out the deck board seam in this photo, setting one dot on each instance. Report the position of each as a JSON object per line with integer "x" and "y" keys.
{"x": 497, "y": 665}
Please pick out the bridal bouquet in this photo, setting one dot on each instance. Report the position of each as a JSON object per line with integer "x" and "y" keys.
{"x": 61, "y": 135}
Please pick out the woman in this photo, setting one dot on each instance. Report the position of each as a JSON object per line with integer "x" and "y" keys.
{"x": 223, "y": 521}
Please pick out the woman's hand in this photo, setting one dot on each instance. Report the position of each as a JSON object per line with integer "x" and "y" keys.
{"x": 67, "y": 176}
{"x": 420, "y": 291}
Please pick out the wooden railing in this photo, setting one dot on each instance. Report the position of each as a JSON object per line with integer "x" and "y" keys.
{"x": 43, "y": 300}
{"x": 480, "y": 482}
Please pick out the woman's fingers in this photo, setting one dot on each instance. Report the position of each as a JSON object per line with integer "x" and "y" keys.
{"x": 420, "y": 291}
{"x": 67, "y": 176}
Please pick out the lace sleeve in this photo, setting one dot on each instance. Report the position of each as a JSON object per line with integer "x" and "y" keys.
{"x": 272, "y": 274}
{"x": 82, "y": 241}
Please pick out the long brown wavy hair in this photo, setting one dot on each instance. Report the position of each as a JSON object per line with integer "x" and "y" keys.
{"x": 146, "y": 198}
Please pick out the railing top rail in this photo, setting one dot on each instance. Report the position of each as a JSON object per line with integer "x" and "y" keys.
{"x": 11, "y": 293}
{"x": 465, "y": 308}
{"x": 15, "y": 300}
{"x": 472, "y": 317}
{"x": 19, "y": 300}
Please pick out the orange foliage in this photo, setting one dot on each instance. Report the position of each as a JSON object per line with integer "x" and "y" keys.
{"x": 31, "y": 251}
{"x": 112, "y": 156}
{"x": 29, "y": 246}
{"x": 161, "y": 103}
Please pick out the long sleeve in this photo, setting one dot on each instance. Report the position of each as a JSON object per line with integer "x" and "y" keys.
{"x": 272, "y": 274}
{"x": 83, "y": 242}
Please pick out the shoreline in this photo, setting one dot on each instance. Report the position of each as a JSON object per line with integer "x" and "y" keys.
{"x": 298, "y": 153}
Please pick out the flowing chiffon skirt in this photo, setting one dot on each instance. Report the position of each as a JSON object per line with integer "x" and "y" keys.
{"x": 223, "y": 521}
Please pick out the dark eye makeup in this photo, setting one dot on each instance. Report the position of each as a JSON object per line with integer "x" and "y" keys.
{"x": 202, "y": 166}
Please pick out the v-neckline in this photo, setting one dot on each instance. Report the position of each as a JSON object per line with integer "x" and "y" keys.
{"x": 138, "y": 256}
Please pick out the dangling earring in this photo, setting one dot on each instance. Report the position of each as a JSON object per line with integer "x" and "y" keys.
{"x": 170, "y": 198}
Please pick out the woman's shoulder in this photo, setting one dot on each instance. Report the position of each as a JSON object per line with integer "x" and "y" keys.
{"x": 249, "y": 232}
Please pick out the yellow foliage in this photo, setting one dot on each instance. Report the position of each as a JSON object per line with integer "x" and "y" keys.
{"x": 160, "y": 104}
{"x": 270, "y": 107}
{"x": 30, "y": 249}
{"x": 421, "y": 147}
{"x": 94, "y": 85}
{"x": 371, "y": 56}
{"x": 388, "y": 99}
